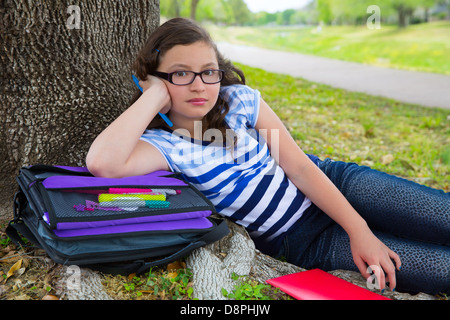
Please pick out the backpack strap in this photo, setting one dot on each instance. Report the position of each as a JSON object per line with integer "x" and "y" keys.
{"x": 13, "y": 229}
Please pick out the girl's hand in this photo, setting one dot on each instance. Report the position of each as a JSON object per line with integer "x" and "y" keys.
{"x": 371, "y": 255}
{"x": 160, "y": 87}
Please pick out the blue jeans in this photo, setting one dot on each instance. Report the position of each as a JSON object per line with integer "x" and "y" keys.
{"x": 411, "y": 219}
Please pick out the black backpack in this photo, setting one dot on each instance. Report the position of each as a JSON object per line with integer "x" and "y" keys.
{"x": 116, "y": 226}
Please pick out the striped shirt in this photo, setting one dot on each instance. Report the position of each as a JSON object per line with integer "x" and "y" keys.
{"x": 244, "y": 183}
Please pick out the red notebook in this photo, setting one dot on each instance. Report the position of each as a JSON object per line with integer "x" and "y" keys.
{"x": 320, "y": 285}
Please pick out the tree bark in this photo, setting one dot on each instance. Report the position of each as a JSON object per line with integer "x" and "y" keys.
{"x": 65, "y": 75}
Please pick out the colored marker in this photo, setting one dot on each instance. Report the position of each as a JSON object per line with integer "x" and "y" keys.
{"x": 128, "y": 204}
{"x": 106, "y": 197}
{"x": 165, "y": 118}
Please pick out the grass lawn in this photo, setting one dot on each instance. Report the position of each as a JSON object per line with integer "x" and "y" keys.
{"x": 423, "y": 47}
{"x": 402, "y": 139}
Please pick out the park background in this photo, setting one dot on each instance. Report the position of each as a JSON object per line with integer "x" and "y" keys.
{"x": 404, "y": 139}
{"x": 408, "y": 140}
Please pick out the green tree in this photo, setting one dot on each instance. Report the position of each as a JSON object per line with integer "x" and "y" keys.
{"x": 171, "y": 8}
{"x": 284, "y": 18}
{"x": 324, "y": 11}
{"x": 263, "y": 18}
{"x": 194, "y": 4}
{"x": 241, "y": 13}
{"x": 404, "y": 8}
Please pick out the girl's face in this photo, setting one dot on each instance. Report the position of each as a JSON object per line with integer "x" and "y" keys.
{"x": 193, "y": 101}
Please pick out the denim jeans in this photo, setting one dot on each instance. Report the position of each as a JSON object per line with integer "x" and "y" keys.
{"x": 411, "y": 219}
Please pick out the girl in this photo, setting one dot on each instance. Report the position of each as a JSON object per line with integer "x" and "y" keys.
{"x": 228, "y": 142}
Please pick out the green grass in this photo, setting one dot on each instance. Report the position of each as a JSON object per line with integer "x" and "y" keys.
{"x": 402, "y": 139}
{"x": 423, "y": 47}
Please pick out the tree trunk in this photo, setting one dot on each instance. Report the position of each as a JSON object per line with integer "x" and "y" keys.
{"x": 194, "y": 4}
{"x": 404, "y": 13}
{"x": 65, "y": 75}
{"x": 177, "y": 8}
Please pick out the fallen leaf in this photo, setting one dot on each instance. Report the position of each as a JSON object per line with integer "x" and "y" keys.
{"x": 13, "y": 269}
{"x": 172, "y": 275}
{"x": 386, "y": 159}
{"x": 10, "y": 257}
{"x": 346, "y": 135}
{"x": 174, "y": 266}
{"x": 146, "y": 291}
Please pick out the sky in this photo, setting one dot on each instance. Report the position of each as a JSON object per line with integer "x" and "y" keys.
{"x": 274, "y": 5}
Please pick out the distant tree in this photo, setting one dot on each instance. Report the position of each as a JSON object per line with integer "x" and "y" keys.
{"x": 171, "y": 8}
{"x": 194, "y": 4}
{"x": 427, "y": 5}
{"x": 284, "y": 17}
{"x": 405, "y": 9}
{"x": 240, "y": 11}
{"x": 324, "y": 11}
{"x": 263, "y": 18}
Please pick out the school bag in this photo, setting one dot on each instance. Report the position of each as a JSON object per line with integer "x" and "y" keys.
{"x": 117, "y": 226}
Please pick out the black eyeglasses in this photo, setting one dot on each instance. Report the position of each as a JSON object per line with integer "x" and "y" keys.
{"x": 183, "y": 78}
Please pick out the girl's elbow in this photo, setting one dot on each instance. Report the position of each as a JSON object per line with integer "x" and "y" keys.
{"x": 101, "y": 168}
{"x": 94, "y": 166}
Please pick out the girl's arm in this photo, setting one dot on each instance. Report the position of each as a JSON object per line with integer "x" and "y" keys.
{"x": 117, "y": 151}
{"x": 367, "y": 250}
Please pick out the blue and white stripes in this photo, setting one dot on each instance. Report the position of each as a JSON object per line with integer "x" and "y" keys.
{"x": 244, "y": 183}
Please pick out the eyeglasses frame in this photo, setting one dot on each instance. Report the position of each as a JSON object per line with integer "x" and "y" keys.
{"x": 168, "y": 76}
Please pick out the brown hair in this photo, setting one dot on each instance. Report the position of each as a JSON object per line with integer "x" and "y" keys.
{"x": 181, "y": 31}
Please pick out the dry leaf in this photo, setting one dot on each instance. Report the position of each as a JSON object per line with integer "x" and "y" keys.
{"x": 386, "y": 159}
{"x": 172, "y": 275}
{"x": 10, "y": 257}
{"x": 13, "y": 269}
{"x": 174, "y": 266}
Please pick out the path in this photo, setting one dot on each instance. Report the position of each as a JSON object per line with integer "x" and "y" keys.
{"x": 427, "y": 89}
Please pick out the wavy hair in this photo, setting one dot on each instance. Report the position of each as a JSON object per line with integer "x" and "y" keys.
{"x": 181, "y": 31}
